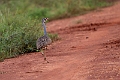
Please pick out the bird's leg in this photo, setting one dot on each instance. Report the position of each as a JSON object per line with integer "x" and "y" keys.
{"x": 42, "y": 52}
{"x": 44, "y": 56}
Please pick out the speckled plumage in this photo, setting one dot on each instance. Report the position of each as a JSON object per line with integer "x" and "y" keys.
{"x": 43, "y": 42}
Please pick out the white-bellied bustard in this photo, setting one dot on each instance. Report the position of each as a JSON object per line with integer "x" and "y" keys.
{"x": 43, "y": 41}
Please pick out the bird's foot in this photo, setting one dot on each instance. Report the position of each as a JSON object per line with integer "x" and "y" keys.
{"x": 46, "y": 60}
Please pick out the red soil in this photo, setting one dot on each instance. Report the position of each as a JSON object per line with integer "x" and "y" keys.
{"x": 88, "y": 49}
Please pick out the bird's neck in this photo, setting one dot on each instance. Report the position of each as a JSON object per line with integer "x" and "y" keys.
{"x": 44, "y": 26}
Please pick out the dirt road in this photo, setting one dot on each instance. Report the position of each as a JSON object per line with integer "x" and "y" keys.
{"x": 88, "y": 49}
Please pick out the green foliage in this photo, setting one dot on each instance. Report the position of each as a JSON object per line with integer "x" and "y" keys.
{"x": 18, "y": 34}
{"x": 14, "y": 37}
{"x": 20, "y": 21}
{"x": 74, "y": 8}
{"x": 38, "y": 13}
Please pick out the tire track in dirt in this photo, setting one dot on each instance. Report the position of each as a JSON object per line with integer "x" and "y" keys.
{"x": 84, "y": 27}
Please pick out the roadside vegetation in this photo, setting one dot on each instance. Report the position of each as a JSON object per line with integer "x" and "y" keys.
{"x": 20, "y": 21}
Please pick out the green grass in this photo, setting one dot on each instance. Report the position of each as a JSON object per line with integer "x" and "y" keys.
{"x": 20, "y": 21}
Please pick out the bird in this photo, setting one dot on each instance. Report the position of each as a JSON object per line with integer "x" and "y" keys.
{"x": 43, "y": 41}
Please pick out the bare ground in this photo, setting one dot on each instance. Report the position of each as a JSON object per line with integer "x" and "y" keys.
{"x": 88, "y": 49}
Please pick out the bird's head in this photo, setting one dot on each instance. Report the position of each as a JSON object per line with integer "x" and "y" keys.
{"x": 44, "y": 20}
